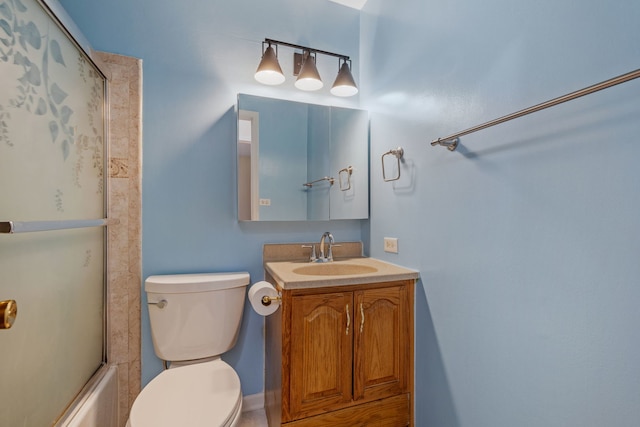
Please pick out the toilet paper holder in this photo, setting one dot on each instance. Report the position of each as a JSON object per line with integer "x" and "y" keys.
{"x": 264, "y": 298}
{"x": 267, "y": 300}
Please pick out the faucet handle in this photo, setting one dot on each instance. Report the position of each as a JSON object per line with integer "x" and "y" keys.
{"x": 330, "y": 252}
{"x": 312, "y": 256}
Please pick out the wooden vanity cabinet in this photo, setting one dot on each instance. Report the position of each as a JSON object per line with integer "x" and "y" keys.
{"x": 320, "y": 356}
{"x": 344, "y": 356}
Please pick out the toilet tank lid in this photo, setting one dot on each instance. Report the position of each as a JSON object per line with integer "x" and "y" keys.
{"x": 201, "y": 282}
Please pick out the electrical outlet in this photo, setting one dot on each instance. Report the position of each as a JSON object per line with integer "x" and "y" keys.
{"x": 265, "y": 202}
{"x": 391, "y": 244}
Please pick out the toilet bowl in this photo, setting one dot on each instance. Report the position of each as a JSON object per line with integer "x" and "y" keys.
{"x": 194, "y": 319}
{"x": 204, "y": 394}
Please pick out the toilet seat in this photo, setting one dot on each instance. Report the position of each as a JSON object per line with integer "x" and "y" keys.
{"x": 202, "y": 394}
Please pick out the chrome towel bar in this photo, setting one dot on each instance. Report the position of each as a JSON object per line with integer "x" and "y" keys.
{"x": 12, "y": 227}
{"x": 326, "y": 178}
{"x": 451, "y": 141}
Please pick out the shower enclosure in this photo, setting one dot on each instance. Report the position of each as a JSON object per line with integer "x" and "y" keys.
{"x": 52, "y": 210}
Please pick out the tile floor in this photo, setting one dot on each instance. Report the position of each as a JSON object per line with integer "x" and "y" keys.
{"x": 255, "y": 418}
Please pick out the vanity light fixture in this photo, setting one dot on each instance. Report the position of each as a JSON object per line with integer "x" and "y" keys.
{"x": 308, "y": 78}
{"x": 344, "y": 84}
{"x": 270, "y": 73}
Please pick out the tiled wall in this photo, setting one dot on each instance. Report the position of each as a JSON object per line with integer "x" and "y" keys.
{"x": 124, "y": 239}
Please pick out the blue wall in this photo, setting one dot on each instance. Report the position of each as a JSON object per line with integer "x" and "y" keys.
{"x": 527, "y": 237}
{"x": 197, "y": 56}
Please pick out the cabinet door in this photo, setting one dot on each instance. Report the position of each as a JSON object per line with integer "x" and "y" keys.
{"x": 321, "y": 352}
{"x": 382, "y": 342}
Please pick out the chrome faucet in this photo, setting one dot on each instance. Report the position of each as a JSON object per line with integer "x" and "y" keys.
{"x": 322, "y": 256}
{"x": 329, "y": 254}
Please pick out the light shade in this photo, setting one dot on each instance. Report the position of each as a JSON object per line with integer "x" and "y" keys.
{"x": 344, "y": 84}
{"x": 309, "y": 78}
{"x": 269, "y": 71}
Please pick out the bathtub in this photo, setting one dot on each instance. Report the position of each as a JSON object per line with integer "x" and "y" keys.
{"x": 97, "y": 404}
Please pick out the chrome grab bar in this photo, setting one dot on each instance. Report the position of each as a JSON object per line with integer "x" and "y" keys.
{"x": 12, "y": 227}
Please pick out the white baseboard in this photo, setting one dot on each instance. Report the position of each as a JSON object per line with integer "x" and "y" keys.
{"x": 253, "y": 402}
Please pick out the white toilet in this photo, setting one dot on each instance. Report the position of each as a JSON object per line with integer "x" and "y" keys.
{"x": 194, "y": 319}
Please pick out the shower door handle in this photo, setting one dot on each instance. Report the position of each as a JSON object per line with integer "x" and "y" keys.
{"x": 8, "y": 313}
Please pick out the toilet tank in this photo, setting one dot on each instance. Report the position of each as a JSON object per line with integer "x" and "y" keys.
{"x": 200, "y": 316}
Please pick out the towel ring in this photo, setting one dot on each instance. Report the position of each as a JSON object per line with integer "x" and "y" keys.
{"x": 398, "y": 153}
{"x": 347, "y": 186}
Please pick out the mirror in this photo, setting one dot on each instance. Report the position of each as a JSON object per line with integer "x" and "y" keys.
{"x": 301, "y": 162}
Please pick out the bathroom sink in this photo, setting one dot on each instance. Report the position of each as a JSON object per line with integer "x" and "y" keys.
{"x": 289, "y": 267}
{"x": 334, "y": 269}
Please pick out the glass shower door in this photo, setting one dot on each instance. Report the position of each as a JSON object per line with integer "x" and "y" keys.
{"x": 52, "y": 155}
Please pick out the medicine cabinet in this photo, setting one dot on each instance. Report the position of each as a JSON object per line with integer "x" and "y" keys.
{"x": 301, "y": 162}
